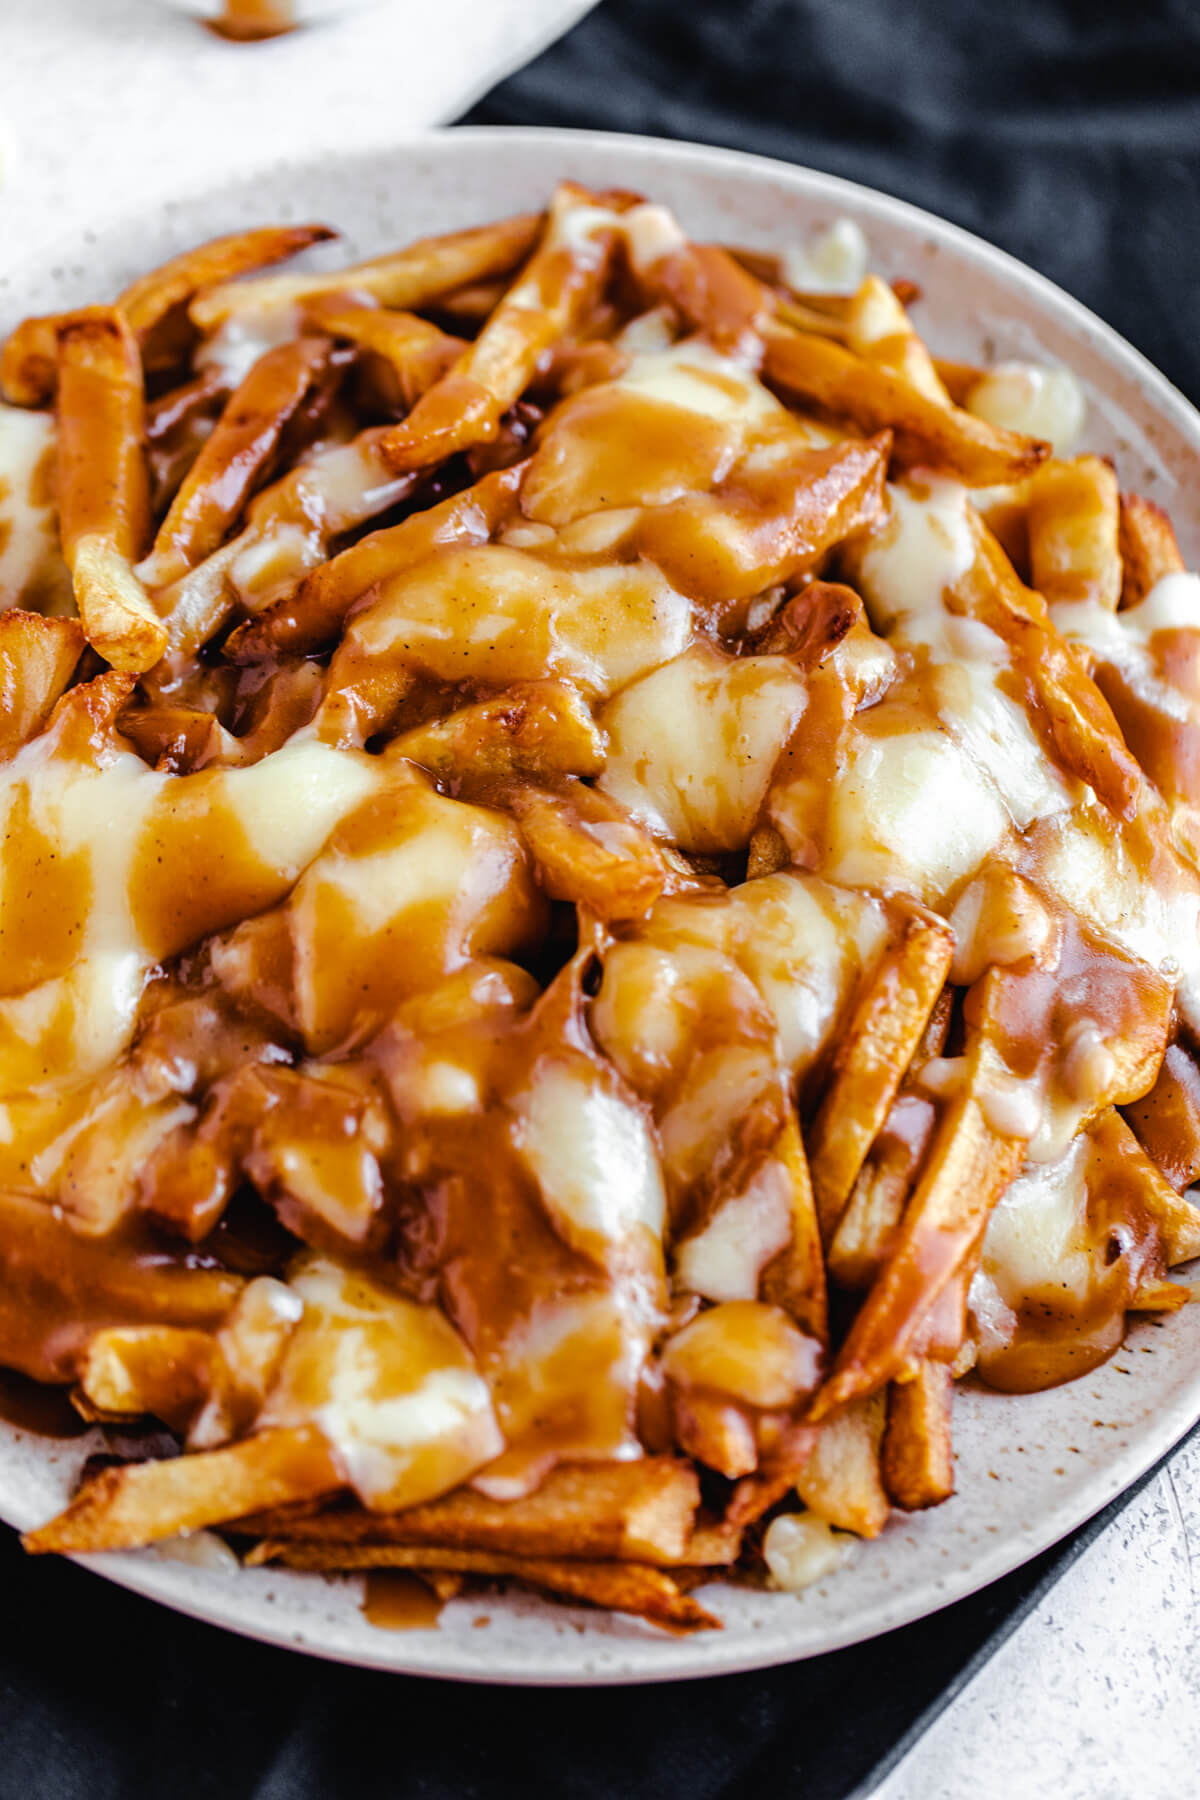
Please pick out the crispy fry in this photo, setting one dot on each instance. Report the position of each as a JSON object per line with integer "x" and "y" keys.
{"x": 795, "y": 1279}
{"x": 159, "y": 1369}
{"x": 411, "y": 354}
{"x": 141, "y": 1503}
{"x": 871, "y": 1059}
{"x": 1073, "y": 520}
{"x": 636, "y": 1588}
{"x": 1148, "y": 548}
{"x": 103, "y": 492}
{"x": 561, "y": 281}
{"x": 878, "y": 329}
{"x": 1167, "y": 1119}
{"x": 237, "y": 458}
{"x": 29, "y": 362}
{"x": 958, "y": 378}
{"x": 970, "y": 1165}
{"x": 917, "y": 1458}
{"x": 310, "y": 617}
{"x": 588, "y": 850}
{"x": 1176, "y": 1219}
{"x": 37, "y": 659}
{"x": 840, "y": 1480}
{"x": 872, "y": 1213}
{"x": 637, "y": 1511}
{"x": 540, "y": 730}
{"x": 926, "y": 433}
{"x": 408, "y": 279}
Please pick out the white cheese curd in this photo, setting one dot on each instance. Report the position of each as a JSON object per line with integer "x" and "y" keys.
{"x": 833, "y": 261}
{"x": 1033, "y": 399}
{"x": 389, "y": 1383}
{"x": 725, "y": 1260}
{"x": 925, "y": 547}
{"x": 800, "y": 1549}
{"x": 591, "y": 1152}
{"x": 1036, "y": 1237}
{"x": 700, "y": 379}
{"x": 693, "y": 745}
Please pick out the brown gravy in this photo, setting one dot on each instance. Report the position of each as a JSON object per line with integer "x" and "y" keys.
{"x": 394, "y": 1600}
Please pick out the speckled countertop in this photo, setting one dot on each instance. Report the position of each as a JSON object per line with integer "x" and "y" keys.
{"x": 1097, "y": 1694}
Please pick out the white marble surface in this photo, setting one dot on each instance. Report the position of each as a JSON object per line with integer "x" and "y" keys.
{"x": 1097, "y": 1695}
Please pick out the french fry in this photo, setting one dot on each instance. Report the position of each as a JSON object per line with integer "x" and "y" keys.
{"x": 795, "y": 1279}
{"x": 840, "y": 1480}
{"x": 588, "y": 850}
{"x": 970, "y": 1165}
{"x": 637, "y": 1511}
{"x": 37, "y": 660}
{"x": 237, "y": 457}
{"x": 412, "y": 353}
{"x": 310, "y": 617}
{"x": 1148, "y": 548}
{"x": 561, "y": 280}
{"x": 871, "y": 1058}
{"x": 1175, "y": 1218}
{"x": 165, "y": 1370}
{"x": 877, "y": 328}
{"x": 539, "y": 730}
{"x": 872, "y": 1213}
{"x": 627, "y": 1587}
{"x": 103, "y": 491}
{"x": 916, "y": 1457}
{"x": 29, "y": 362}
{"x": 958, "y": 378}
{"x": 1167, "y": 1119}
{"x": 1160, "y": 1296}
{"x": 926, "y": 433}
{"x": 141, "y": 1503}
{"x": 417, "y": 276}
{"x": 713, "y": 295}
{"x": 1073, "y": 526}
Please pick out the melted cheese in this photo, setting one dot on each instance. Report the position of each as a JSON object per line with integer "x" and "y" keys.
{"x": 725, "y": 1260}
{"x": 692, "y": 746}
{"x": 1033, "y": 399}
{"x": 389, "y": 1383}
{"x": 32, "y": 571}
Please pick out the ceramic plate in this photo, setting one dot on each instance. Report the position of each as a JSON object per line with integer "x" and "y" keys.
{"x": 1030, "y": 1468}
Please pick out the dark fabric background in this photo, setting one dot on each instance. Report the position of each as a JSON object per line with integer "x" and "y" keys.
{"x": 1068, "y": 132}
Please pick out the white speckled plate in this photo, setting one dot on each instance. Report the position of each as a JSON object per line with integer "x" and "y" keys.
{"x": 1030, "y": 1468}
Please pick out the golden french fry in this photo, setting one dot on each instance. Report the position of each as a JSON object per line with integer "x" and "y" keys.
{"x": 1167, "y": 1119}
{"x": 840, "y": 1480}
{"x": 411, "y": 353}
{"x": 926, "y": 433}
{"x": 917, "y": 1457}
{"x": 1073, "y": 522}
{"x": 628, "y": 1587}
{"x": 810, "y": 626}
{"x": 37, "y": 660}
{"x": 140, "y": 1503}
{"x": 795, "y": 1279}
{"x": 872, "y": 1213}
{"x": 408, "y": 279}
{"x": 236, "y": 458}
{"x": 470, "y": 305}
{"x": 1160, "y": 1296}
{"x": 970, "y": 1164}
{"x": 541, "y": 730}
{"x": 562, "y": 279}
{"x": 29, "y": 362}
{"x": 180, "y": 739}
{"x": 713, "y": 295}
{"x": 313, "y": 615}
{"x": 165, "y": 1370}
{"x": 1065, "y": 705}
{"x": 639, "y": 1511}
{"x": 877, "y": 328}
{"x": 872, "y": 1055}
{"x": 1148, "y": 547}
{"x": 103, "y": 489}
{"x": 1173, "y": 1215}
{"x": 588, "y": 850}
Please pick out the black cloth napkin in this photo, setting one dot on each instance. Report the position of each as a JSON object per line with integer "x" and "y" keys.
{"x": 1070, "y": 134}
{"x": 1064, "y": 131}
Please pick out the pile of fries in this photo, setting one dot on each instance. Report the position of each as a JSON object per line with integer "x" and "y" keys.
{"x": 601, "y": 899}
